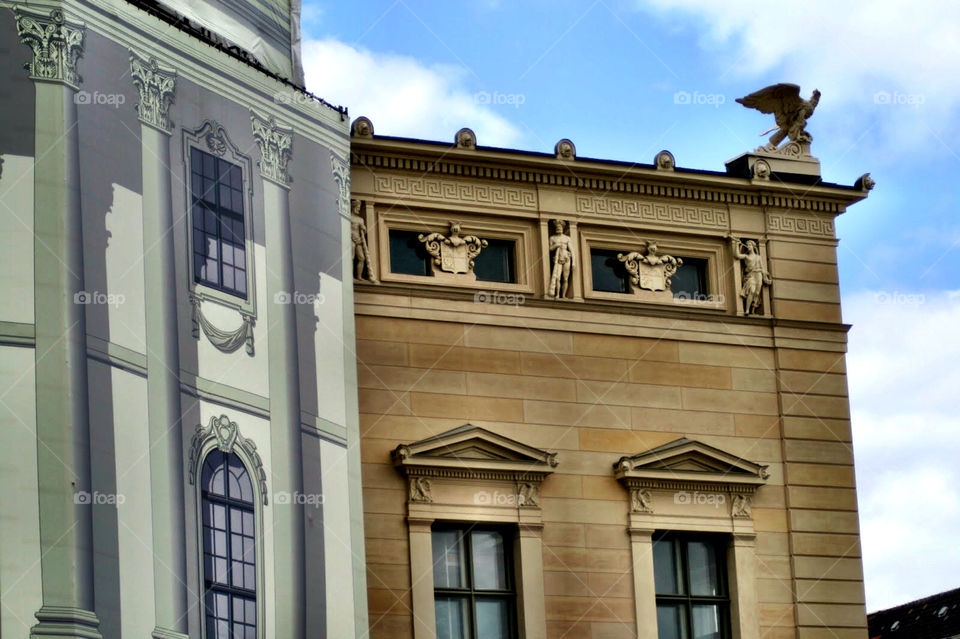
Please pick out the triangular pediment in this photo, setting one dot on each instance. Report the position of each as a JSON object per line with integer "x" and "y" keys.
{"x": 471, "y": 447}
{"x": 690, "y": 460}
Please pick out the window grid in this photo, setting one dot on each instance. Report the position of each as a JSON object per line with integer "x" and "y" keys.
{"x": 471, "y": 593}
{"x": 219, "y": 246}
{"x": 229, "y": 548}
{"x": 685, "y": 598}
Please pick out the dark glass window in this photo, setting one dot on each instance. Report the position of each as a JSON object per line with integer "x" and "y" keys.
{"x": 219, "y": 248}
{"x": 496, "y": 262}
{"x": 608, "y": 272}
{"x": 690, "y": 280}
{"x": 691, "y": 587}
{"x": 229, "y": 548}
{"x": 474, "y": 593}
{"x": 407, "y": 254}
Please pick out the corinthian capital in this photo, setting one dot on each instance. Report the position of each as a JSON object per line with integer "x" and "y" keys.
{"x": 276, "y": 147}
{"x": 156, "y": 87}
{"x": 56, "y": 45}
{"x": 341, "y": 175}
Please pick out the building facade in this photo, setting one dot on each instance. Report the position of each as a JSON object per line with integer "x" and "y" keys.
{"x": 601, "y": 399}
{"x": 179, "y": 401}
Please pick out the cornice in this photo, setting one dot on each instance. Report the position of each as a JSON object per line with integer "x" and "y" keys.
{"x": 604, "y": 177}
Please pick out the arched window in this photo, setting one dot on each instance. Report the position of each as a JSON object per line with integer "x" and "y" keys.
{"x": 229, "y": 548}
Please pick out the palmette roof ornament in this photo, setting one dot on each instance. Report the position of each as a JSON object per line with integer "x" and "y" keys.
{"x": 665, "y": 161}
{"x": 790, "y": 112}
{"x": 466, "y": 139}
{"x": 565, "y": 150}
{"x": 362, "y": 128}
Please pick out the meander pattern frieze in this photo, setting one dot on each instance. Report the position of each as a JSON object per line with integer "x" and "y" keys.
{"x": 451, "y": 190}
{"x": 800, "y": 225}
{"x": 653, "y": 212}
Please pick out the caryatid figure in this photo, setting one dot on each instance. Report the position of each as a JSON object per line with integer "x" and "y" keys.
{"x": 562, "y": 248}
{"x": 755, "y": 275}
{"x": 361, "y": 251}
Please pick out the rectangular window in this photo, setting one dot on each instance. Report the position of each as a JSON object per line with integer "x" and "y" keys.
{"x": 496, "y": 262}
{"x": 407, "y": 254}
{"x": 690, "y": 280}
{"x": 219, "y": 241}
{"x": 474, "y": 595}
{"x": 691, "y": 586}
{"x": 608, "y": 273}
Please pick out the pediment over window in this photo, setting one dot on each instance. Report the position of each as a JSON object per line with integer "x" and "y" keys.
{"x": 689, "y": 463}
{"x": 474, "y": 452}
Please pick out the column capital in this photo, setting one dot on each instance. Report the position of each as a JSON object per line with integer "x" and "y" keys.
{"x": 156, "y": 87}
{"x": 56, "y": 44}
{"x": 276, "y": 148}
{"x": 341, "y": 175}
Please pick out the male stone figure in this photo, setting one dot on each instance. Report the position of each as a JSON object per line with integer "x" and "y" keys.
{"x": 361, "y": 251}
{"x": 754, "y": 275}
{"x": 562, "y": 249}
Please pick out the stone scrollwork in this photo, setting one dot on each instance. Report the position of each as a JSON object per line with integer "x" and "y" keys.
{"x": 156, "y": 88}
{"x": 225, "y": 435}
{"x": 420, "y": 490}
{"x": 641, "y": 500}
{"x": 56, "y": 44}
{"x": 453, "y": 253}
{"x": 648, "y": 269}
{"x": 276, "y": 148}
{"x": 754, "y": 277}
{"x": 224, "y": 341}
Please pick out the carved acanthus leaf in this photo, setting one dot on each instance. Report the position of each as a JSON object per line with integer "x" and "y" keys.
{"x": 56, "y": 44}
{"x": 276, "y": 148}
{"x": 156, "y": 87}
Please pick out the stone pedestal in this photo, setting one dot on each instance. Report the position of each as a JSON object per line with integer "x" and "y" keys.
{"x": 761, "y": 164}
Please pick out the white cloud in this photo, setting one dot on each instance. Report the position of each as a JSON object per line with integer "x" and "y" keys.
{"x": 850, "y": 50}
{"x": 904, "y": 381}
{"x": 402, "y": 96}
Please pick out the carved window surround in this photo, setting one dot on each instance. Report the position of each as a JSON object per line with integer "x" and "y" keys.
{"x": 689, "y": 486}
{"x": 720, "y": 291}
{"x": 212, "y": 138}
{"x": 470, "y": 474}
{"x": 224, "y": 434}
{"x": 522, "y": 233}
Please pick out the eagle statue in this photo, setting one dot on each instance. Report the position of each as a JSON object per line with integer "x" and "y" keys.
{"x": 790, "y": 111}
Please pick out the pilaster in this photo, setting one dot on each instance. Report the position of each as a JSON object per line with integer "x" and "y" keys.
{"x": 275, "y": 144}
{"x": 63, "y": 428}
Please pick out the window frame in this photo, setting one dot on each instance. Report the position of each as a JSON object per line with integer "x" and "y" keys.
{"x": 687, "y": 599}
{"x": 212, "y": 138}
{"x": 509, "y": 534}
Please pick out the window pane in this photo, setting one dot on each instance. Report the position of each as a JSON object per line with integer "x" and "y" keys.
{"x": 449, "y": 559}
{"x": 489, "y": 566}
{"x": 689, "y": 282}
{"x": 666, "y": 569}
{"x": 407, "y": 255}
{"x": 706, "y": 622}
{"x": 493, "y": 621}
{"x": 495, "y": 263}
{"x": 608, "y": 272}
{"x": 703, "y": 568}
{"x": 671, "y": 622}
{"x": 453, "y": 618}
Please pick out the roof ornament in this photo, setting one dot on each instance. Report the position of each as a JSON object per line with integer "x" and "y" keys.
{"x": 790, "y": 112}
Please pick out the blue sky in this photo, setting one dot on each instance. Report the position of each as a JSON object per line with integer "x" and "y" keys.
{"x": 605, "y": 74}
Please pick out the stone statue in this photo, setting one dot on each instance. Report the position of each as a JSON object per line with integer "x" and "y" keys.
{"x": 740, "y": 506}
{"x": 453, "y": 253}
{"x": 361, "y": 251}
{"x": 648, "y": 269}
{"x": 641, "y": 501}
{"x": 791, "y": 113}
{"x": 562, "y": 249}
{"x": 755, "y": 275}
{"x": 529, "y": 496}
{"x": 420, "y": 490}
